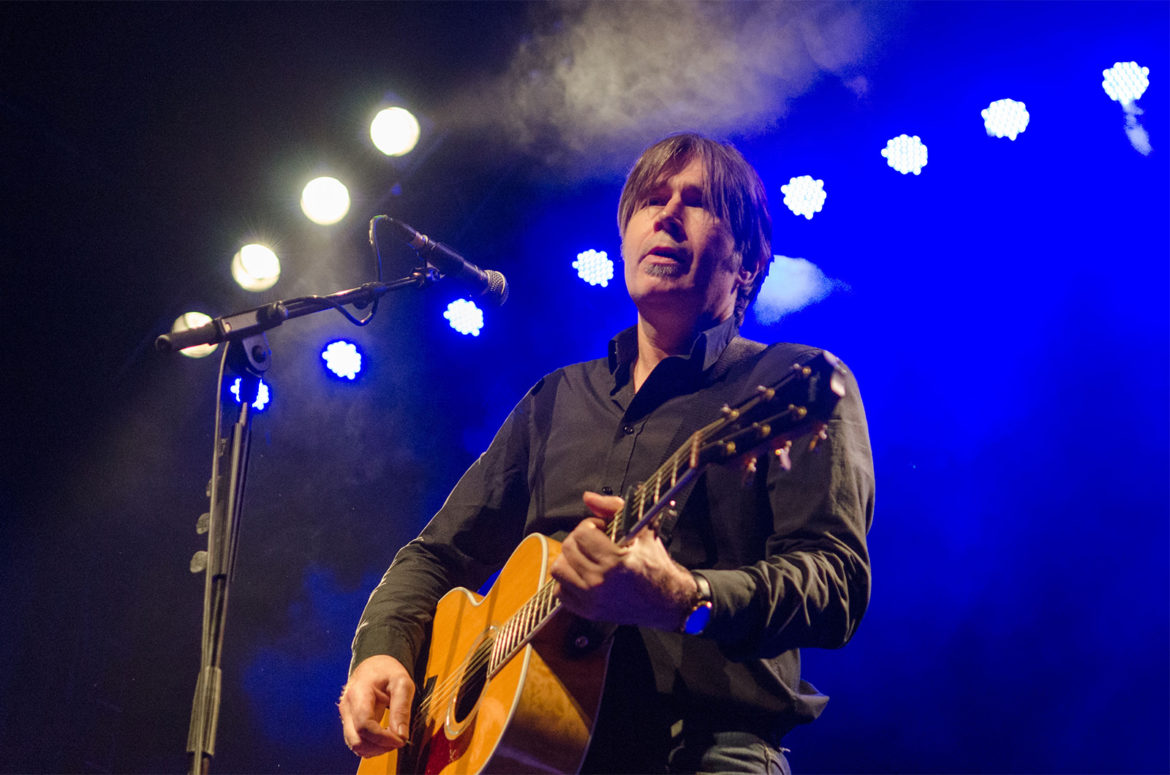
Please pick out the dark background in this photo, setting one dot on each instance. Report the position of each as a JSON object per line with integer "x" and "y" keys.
{"x": 1006, "y": 313}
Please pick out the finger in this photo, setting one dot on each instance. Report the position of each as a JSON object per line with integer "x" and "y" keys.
{"x": 374, "y": 739}
{"x": 590, "y": 551}
{"x": 360, "y": 709}
{"x": 401, "y": 697}
{"x": 568, "y": 573}
{"x": 572, "y": 597}
{"x": 603, "y": 506}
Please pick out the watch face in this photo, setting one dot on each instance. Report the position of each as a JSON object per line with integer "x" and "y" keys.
{"x": 697, "y": 621}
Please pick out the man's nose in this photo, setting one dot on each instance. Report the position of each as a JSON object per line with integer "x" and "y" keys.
{"x": 669, "y": 218}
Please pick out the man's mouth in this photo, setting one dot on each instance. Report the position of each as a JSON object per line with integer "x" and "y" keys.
{"x": 665, "y": 261}
{"x": 674, "y": 254}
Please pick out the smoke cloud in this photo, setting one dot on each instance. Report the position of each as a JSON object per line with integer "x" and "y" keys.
{"x": 596, "y": 81}
{"x": 791, "y": 285}
{"x": 1139, "y": 138}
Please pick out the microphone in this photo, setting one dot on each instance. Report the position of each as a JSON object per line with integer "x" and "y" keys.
{"x": 490, "y": 284}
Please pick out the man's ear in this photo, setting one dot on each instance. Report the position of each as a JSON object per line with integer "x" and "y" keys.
{"x": 745, "y": 275}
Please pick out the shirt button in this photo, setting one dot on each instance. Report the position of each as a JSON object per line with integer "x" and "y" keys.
{"x": 627, "y": 429}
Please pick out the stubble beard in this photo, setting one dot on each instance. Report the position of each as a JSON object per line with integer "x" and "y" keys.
{"x": 663, "y": 270}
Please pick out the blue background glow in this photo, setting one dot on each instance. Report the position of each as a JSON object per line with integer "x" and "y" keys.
{"x": 1006, "y": 313}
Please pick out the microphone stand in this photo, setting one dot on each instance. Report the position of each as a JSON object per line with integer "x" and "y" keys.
{"x": 248, "y": 356}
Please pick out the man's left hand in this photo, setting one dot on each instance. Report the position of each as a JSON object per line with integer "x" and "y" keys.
{"x": 637, "y": 583}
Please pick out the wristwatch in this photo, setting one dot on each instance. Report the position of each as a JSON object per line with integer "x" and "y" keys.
{"x": 700, "y": 614}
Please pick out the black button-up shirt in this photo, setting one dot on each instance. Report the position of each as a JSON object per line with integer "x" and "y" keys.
{"x": 784, "y": 550}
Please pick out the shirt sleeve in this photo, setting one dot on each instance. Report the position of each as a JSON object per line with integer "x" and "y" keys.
{"x": 813, "y": 585}
{"x": 468, "y": 539}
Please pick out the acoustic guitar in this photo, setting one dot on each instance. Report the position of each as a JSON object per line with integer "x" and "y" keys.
{"x": 512, "y": 681}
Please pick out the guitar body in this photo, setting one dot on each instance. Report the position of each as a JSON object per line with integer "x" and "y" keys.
{"x": 536, "y": 714}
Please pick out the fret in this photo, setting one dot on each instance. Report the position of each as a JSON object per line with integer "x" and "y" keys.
{"x": 526, "y": 621}
{"x": 494, "y": 659}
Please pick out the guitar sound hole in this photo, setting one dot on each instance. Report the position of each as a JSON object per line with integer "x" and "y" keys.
{"x": 473, "y": 682}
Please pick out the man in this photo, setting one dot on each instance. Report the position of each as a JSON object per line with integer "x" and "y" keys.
{"x": 777, "y": 557}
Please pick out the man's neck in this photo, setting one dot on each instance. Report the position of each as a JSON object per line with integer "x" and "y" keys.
{"x": 658, "y": 342}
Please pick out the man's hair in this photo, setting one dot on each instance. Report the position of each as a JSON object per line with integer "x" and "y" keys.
{"x": 732, "y": 191}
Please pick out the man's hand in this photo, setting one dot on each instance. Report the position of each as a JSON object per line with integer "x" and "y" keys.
{"x": 378, "y": 683}
{"x": 633, "y": 584}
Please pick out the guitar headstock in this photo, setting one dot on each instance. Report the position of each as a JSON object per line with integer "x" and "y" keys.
{"x": 775, "y": 415}
{"x": 802, "y": 400}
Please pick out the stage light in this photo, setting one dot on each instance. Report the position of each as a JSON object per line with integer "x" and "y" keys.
{"x": 594, "y": 267}
{"x": 394, "y": 131}
{"x": 325, "y": 200}
{"x": 342, "y": 358}
{"x": 804, "y": 196}
{"x": 190, "y": 320}
{"x": 1125, "y": 81}
{"x": 262, "y": 395}
{"x": 464, "y": 316}
{"x": 255, "y": 267}
{"x": 905, "y": 154}
{"x": 1005, "y": 118}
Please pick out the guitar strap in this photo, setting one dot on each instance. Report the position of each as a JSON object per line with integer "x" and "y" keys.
{"x": 737, "y": 352}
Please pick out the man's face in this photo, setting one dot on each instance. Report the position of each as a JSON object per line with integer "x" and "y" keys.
{"x": 679, "y": 257}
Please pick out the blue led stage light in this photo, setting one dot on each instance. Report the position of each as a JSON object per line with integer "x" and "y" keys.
{"x": 1125, "y": 81}
{"x": 464, "y": 316}
{"x": 905, "y": 154}
{"x": 262, "y": 395}
{"x": 594, "y": 267}
{"x": 1005, "y": 118}
{"x": 342, "y": 358}
{"x": 804, "y": 195}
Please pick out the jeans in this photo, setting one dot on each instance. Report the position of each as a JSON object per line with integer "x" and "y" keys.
{"x": 726, "y": 752}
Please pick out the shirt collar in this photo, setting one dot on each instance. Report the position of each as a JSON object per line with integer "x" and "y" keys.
{"x": 705, "y": 351}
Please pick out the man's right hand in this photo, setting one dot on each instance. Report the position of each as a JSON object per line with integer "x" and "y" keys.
{"x": 378, "y": 683}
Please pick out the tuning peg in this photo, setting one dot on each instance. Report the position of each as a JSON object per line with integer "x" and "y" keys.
{"x": 199, "y": 561}
{"x": 750, "y": 465}
{"x": 821, "y": 434}
{"x": 203, "y": 524}
{"x": 780, "y": 450}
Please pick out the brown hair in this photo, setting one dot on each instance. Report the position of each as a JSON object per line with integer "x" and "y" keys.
{"x": 732, "y": 191}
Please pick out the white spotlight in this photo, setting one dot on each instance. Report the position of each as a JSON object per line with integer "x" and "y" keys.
{"x": 188, "y": 321}
{"x": 325, "y": 200}
{"x": 255, "y": 267}
{"x": 804, "y": 196}
{"x": 342, "y": 358}
{"x": 1005, "y": 118}
{"x": 905, "y": 154}
{"x": 1125, "y": 81}
{"x": 464, "y": 316}
{"x": 594, "y": 267}
{"x": 394, "y": 131}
